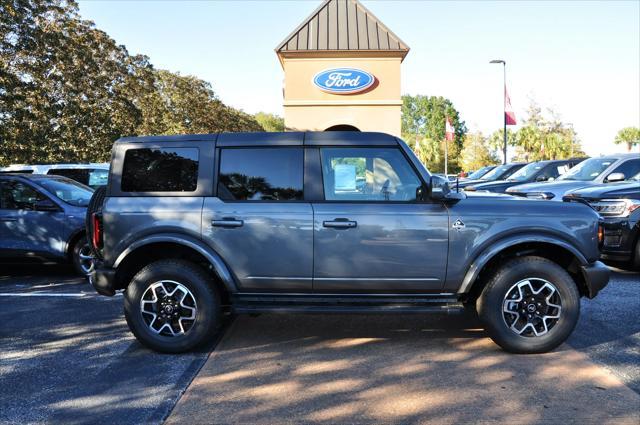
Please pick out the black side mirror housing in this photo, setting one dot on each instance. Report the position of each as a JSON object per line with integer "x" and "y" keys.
{"x": 438, "y": 188}
{"x": 46, "y": 205}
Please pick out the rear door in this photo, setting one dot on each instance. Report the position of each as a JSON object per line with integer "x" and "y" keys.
{"x": 259, "y": 222}
{"x": 372, "y": 232}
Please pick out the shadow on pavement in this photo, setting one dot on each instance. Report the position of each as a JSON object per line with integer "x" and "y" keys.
{"x": 408, "y": 369}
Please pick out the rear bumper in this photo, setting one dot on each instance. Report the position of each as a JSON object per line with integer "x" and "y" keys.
{"x": 596, "y": 277}
{"x": 103, "y": 280}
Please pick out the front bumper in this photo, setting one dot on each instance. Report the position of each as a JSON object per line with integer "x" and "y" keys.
{"x": 620, "y": 235}
{"x": 596, "y": 277}
{"x": 103, "y": 280}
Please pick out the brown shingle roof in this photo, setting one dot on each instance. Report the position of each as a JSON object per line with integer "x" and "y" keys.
{"x": 342, "y": 25}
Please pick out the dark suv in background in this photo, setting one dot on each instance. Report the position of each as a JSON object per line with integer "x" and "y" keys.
{"x": 619, "y": 205}
{"x": 501, "y": 172}
{"x": 541, "y": 171}
{"x": 591, "y": 172}
{"x": 328, "y": 222}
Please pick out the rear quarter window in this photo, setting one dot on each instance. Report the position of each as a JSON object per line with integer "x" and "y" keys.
{"x": 160, "y": 170}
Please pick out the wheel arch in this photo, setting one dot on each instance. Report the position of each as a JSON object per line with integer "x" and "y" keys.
{"x": 72, "y": 240}
{"x": 555, "y": 250}
{"x": 157, "y": 247}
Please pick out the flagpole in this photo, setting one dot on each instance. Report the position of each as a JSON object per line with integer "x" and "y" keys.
{"x": 446, "y": 155}
{"x": 504, "y": 110}
{"x": 504, "y": 107}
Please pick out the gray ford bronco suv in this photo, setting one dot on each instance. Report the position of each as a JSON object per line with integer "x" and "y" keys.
{"x": 193, "y": 226}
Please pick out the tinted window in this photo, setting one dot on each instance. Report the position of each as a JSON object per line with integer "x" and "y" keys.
{"x": 261, "y": 174}
{"x": 18, "y": 196}
{"x": 629, "y": 168}
{"x": 87, "y": 176}
{"x": 160, "y": 170}
{"x": 367, "y": 174}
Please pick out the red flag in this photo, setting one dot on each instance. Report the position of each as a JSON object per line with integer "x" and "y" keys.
{"x": 509, "y": 115}
{"x": 450, "y": 132}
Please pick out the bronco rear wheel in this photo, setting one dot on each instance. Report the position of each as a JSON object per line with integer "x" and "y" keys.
{"x": 531, "y": 305}
{"x": 171, "y": 306}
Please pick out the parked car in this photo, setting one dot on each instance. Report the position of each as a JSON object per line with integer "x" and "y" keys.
{"x": 478, "y": 173}
{"x": 619, "y": 206}
{"x": 541, "y": 171}
{"x": 93, "y": 175}
{"x": 276, "y": 222}
{"x": 592, "y": 172}
{"x": 42, "y": 218}
{"x": 501, "y": 172}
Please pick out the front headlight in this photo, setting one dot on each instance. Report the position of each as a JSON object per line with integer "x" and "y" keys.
{"x": 615, "y": 207}
{"x": 540, "y": 195}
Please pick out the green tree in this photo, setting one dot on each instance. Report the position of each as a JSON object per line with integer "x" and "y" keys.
{"x": 545, "y": 137}
{"x": 423, "y": 128}
{"x": 629, "y": 136}
{"x": 61, "y": 85}
{"x": 270, "y": 122}
{"x": 67, "y": 91}
{"x": 476, "y": 152}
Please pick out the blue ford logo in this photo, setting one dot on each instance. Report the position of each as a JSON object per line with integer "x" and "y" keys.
{"x": 343, "y": 80}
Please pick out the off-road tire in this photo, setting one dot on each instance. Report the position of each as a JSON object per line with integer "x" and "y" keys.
{"x": 207, "y": 298}
{"x": 490, "y": 304}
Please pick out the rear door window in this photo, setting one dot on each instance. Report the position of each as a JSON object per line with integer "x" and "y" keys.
{"x": 261, "y": 174}
{"x": 160, "y": 170}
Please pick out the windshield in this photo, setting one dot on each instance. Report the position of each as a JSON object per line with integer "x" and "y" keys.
{"x": 526, "y": 172}
{"x": 68, "y": 191}
{"x": 481, "y": 172}
{"x": 496, "y": 172}
{"x": 588, "y": 170}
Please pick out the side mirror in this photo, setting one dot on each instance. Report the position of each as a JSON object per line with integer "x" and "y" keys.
{"x": 541, "y": 179}
{"x": 46, "y": 205}
{"x": 438, "y": 188}
{"x": 615, "y": 177}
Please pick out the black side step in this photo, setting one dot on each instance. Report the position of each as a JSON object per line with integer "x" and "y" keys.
{"x": 273, "y": 303}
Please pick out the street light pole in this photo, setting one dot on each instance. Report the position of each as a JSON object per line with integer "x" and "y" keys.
{"x": 504, "y": 107}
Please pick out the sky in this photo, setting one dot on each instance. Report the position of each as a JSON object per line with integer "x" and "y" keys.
{"x": 581, "y": 58}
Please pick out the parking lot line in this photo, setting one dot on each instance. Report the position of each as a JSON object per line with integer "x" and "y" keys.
{"x": 42, "y": 294}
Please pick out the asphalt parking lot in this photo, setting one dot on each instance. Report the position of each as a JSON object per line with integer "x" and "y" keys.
{"x": 66, "y": 356}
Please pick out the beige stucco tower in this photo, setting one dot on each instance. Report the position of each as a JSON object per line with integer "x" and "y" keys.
{"x": 342, "y": 71}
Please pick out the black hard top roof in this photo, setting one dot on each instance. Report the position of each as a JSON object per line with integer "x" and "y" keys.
{"x": 310, "y": 138}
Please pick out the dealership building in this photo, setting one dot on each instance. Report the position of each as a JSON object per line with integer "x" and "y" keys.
{"x": 342, "y": 71}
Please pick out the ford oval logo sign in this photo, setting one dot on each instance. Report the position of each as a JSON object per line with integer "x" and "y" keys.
{"x": 343, "y": 80}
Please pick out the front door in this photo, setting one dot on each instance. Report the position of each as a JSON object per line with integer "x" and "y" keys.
{"x": 259, "y": 222}
{"x": 372, "y": 233}
{"x": 23, "y": 230}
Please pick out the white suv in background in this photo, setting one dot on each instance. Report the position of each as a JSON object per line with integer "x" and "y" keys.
{"x": 90, "y": 174}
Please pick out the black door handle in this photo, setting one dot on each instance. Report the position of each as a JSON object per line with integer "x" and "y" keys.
{"x": 8, "y": 219}
{"x": 340, "y": 223}
{"x": 227, "y": 222}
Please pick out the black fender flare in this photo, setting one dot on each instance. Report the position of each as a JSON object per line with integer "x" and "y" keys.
{"x": 218, "y": 264}
{"x": 496, "y": 247}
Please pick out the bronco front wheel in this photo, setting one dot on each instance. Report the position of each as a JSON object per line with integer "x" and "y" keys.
{"x": 531, "y": 305}
{"x": 171, "y": 306}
